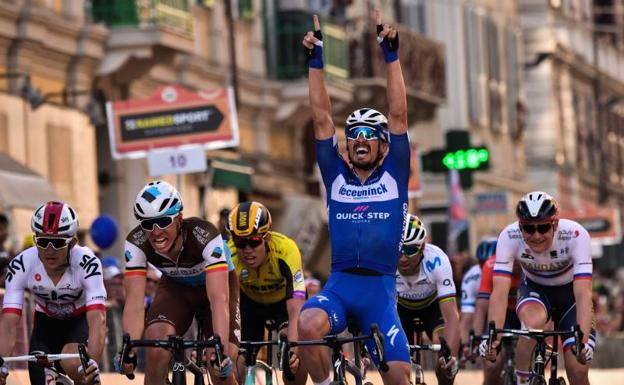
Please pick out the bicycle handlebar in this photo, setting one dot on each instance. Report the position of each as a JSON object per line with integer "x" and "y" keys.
{"x": 40, "y": 359}
{"x": 535, "y": 333}
{"x": 284, "y": 355}
{"x": 335, "y": 343}
{"x": 173, "y": 343}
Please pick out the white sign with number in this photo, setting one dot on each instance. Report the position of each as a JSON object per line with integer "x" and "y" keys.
{"x": 177, "y": 161}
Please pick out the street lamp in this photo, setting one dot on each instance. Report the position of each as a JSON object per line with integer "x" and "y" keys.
{"x": 27, "y": 92}
{"x": 93, "y": 107}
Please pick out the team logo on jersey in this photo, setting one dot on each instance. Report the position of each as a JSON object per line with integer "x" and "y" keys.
{"x": 566, "y": 235}
{"x": 90, "y": 266}
{"x": 385, "y": 189}
{"x": 244, "y": 274}
{"x": 201, "y": 235}
{"x": 514, "y": 234}
{"x": 299, "y": 276}
{"x": 37, "y": 277}
{"x": 16, "y": 265}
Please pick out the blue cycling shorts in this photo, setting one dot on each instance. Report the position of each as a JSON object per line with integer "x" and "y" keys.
{"x": 367, "y": 300}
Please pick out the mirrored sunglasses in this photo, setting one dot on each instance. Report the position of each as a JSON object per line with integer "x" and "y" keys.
{"x": 541, "y": 228}
{"x": 410, "y": 251}
{"x": 253, "y": 241}
{"x": 57, "y": 243}
{"x": 161, "y": 222}
{"x": 367, "y": 132}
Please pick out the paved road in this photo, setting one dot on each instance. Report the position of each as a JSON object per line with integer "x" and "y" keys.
{"x": 468, "y": 377}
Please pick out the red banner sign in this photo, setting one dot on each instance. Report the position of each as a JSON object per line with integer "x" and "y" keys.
{"x": 172, "y": 117}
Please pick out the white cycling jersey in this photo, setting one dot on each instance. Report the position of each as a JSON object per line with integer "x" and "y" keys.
{"x": 434, "y": 280}
{"x": 568, "y": 258}
{"x": 470, "y": 289}
{"x": 80, "y": 289}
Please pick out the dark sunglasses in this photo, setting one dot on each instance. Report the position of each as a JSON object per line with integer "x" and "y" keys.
{"x": 253, "y": 241}
{"x": 367, "y": 132}
{"x": 57, "y": 243}
{"x": 410, "y": 251}
{"x": 161, "y": 222}
{"x": 541, "y": 228}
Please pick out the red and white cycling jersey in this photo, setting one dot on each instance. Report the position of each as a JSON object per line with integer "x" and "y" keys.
{"x": 568, "y": 258}
{"x": 81, "y": 288}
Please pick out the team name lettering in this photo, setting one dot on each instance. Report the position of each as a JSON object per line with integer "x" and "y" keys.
{"x": 16, "y": 265}
{"x": 89, "y": 266}
{"x": 365, "y": 192}
{"x": 362, "y": 216}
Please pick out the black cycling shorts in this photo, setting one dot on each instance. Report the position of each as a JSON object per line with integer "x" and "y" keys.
{"x": 430, "y": 317}
{"x": 50, "y": 335}
{"x": 254, "y": 316}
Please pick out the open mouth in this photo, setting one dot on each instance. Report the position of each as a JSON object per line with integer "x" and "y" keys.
{"x": 160, "y": 241}
{"x": 362, "y": 151}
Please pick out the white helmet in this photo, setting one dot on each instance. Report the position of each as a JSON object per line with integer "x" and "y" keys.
{"x": 55, "y": 219}
{"x": 157, "y": 199}
{"x": 414, "y": 233}
{"x": 370, "y": 118}
{"x": 537, "y": 205}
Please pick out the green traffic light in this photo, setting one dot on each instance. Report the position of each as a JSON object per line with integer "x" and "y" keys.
{"x": 472, "y": 158}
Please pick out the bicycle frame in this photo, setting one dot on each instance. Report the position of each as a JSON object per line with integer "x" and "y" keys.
{"x": 540, "y": 360}
{"x": 442, "y": 349}
{"x": 339, "y": 361}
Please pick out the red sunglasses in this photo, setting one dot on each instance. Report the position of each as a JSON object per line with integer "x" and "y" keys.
{"x": 253, "y": 241}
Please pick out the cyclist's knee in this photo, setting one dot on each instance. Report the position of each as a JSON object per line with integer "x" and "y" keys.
{"x": 533, "y": 316}
{"x": 398, "y": 373}
{"x": 313, "y": 324}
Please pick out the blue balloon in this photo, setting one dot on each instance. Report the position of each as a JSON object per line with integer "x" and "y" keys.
{"x": 103, "y": 231}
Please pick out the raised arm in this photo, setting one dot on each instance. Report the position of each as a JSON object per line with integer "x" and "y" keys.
{"x": 388, "y": 39}
{"x": 319, "y": 98}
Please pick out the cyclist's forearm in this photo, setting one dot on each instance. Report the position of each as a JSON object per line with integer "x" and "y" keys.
{"x": 584, "y": 313}
{"x": 293, "y": 307}
{"x": 221, "y": 320}
{"x": 451, "y": 324}
{"x": 97, "y": 333}
{"x": 134, "y": 317}
{"x": 498, "y": 300}
{"x": 478, "y": 322}
{"x": 8, "y": 333}
{"x": 465, "y": 324}
{"x": 397, "y": 96}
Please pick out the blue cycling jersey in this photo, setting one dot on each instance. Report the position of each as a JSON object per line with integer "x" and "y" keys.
{"x": 366, "y": 219}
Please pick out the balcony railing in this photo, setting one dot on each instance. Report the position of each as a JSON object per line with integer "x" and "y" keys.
{"x": 175, "y": 14}
{"x": 285, "y": 55}
{"x": 422, "y": 60}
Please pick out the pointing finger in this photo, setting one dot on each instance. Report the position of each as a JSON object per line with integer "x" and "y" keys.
{"x": 317, "y": 24}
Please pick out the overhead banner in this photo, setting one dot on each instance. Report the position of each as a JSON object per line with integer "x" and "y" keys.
{"x": 174, "y": 116}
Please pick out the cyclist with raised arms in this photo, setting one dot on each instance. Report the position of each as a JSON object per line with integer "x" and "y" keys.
{"x": 492, "y": 370}
{"x": 555, "y": 255}
{"x": 426, "y": 291}
{"x": 367, "y": 203}
{"x": 268, "y": 265}
{"x": 196, "y": 280}
{"x": 67, "y": 285}
{"x": 469, "y": 290}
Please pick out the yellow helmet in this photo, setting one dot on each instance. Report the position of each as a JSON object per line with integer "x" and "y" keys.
{"x": 249, "y": 218}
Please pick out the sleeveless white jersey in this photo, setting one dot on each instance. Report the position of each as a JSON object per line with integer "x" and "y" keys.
{"x": 81, "y": 288}
{"x": 434, "y": 280}
{"x": 568, "y": 258}
{"x": 470, "y": 289}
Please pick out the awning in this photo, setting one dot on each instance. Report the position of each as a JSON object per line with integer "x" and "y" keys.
{"x": 232, "y": 173}
{"x": 22, "y": 187}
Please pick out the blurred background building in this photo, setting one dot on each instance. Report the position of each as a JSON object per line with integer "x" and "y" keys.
{"x": 539, "y": 83}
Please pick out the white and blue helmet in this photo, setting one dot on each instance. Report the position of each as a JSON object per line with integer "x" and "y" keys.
{"x": 370, "y": 118}
{"x": 157, "y": 199}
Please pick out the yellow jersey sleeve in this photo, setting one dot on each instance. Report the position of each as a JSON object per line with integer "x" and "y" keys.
{"x": 289, "y": 265}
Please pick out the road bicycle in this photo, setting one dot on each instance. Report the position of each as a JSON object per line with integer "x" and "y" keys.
{"x": 339, "y": 358}
{"x": 177, "y": 346}
{"x": 543, "y": 353}
{"x": 442, "y": 348}
{"x": 250, "y": 349}
{"x": 46, "y": 361}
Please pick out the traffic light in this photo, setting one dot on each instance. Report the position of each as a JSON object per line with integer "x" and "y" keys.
{"x": 473, "y": 158}
{"x": 459, "y": 154}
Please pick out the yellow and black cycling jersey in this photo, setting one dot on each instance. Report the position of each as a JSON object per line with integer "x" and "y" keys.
{"x": 279, "y": 278}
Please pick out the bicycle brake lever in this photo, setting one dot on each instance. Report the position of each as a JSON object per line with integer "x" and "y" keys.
{"x": 445, "y": 351}
{"x": 125, "y": 356}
